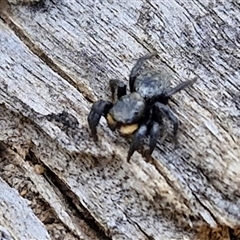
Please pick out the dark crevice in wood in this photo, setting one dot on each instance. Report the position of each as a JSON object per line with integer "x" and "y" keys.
{"x": 139, "y": 227}
{"x": 199, "y": 41}
{"x": 63, "y": 192}
{"x": 54, "y": 181}
{"x": 73, "y": 204}
{"x": 7, "y": 157}
{"x": 201, "y": 203}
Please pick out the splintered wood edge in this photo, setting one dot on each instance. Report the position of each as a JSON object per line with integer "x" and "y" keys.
{"x": 17, "y": 217}
{"x": 51, "y": 195}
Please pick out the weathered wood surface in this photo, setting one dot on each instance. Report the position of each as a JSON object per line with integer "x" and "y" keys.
{"x": 13, "y": 209}
{"x": 60, "y": 56}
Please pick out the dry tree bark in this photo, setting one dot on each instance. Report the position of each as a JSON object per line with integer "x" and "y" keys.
{"x": 56, "y": 60}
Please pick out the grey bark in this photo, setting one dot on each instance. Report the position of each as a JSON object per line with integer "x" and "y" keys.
{"x": 59, "y": 56}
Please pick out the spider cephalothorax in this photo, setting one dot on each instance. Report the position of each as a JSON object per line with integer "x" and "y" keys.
{"x": 141, "y": 111}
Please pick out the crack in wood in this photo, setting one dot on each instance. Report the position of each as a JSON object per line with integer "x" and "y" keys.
{"x": 71, "y": 200}
{"x": 190, "y": 37}
{"x": 139, "y": 227}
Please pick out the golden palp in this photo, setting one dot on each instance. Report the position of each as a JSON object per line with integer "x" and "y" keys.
{"x": 128, "y": 129}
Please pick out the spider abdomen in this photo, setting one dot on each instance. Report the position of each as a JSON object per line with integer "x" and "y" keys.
{"x": 151, "y": 85}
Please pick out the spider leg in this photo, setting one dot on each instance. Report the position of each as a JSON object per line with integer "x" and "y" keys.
{"x": 180, "y": 86}
{"x": 160, "y": 108}
{"x": 99, "y": 108}
{"x": 153, "y": 137}
{"x": 119, "y": 86}
{"x": 137, "y": 138}
{"x": 136, "y": 68}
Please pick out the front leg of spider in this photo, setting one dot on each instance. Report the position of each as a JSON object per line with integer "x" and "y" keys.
{"x": 137, "y": 139}
{"x": 153, "y": 137}
{"x": 99, "y": 108}
{"x": 136, "y": 68}
{"x": 160, "y": 109}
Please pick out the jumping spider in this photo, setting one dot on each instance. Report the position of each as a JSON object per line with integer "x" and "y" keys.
{"x": 141, "y": 111}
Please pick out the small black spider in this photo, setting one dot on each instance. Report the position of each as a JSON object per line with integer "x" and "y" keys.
{"x": 141, "y": 111}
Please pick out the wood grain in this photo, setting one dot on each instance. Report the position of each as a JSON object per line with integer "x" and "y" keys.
{"x": 59, "y": 56}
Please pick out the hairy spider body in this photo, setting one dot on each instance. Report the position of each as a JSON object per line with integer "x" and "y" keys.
{"x": 151, "y": 85}
{"x": 141, "y": 111}
{"x": 126, "y": 113}
{"x": 128, "y": 109}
